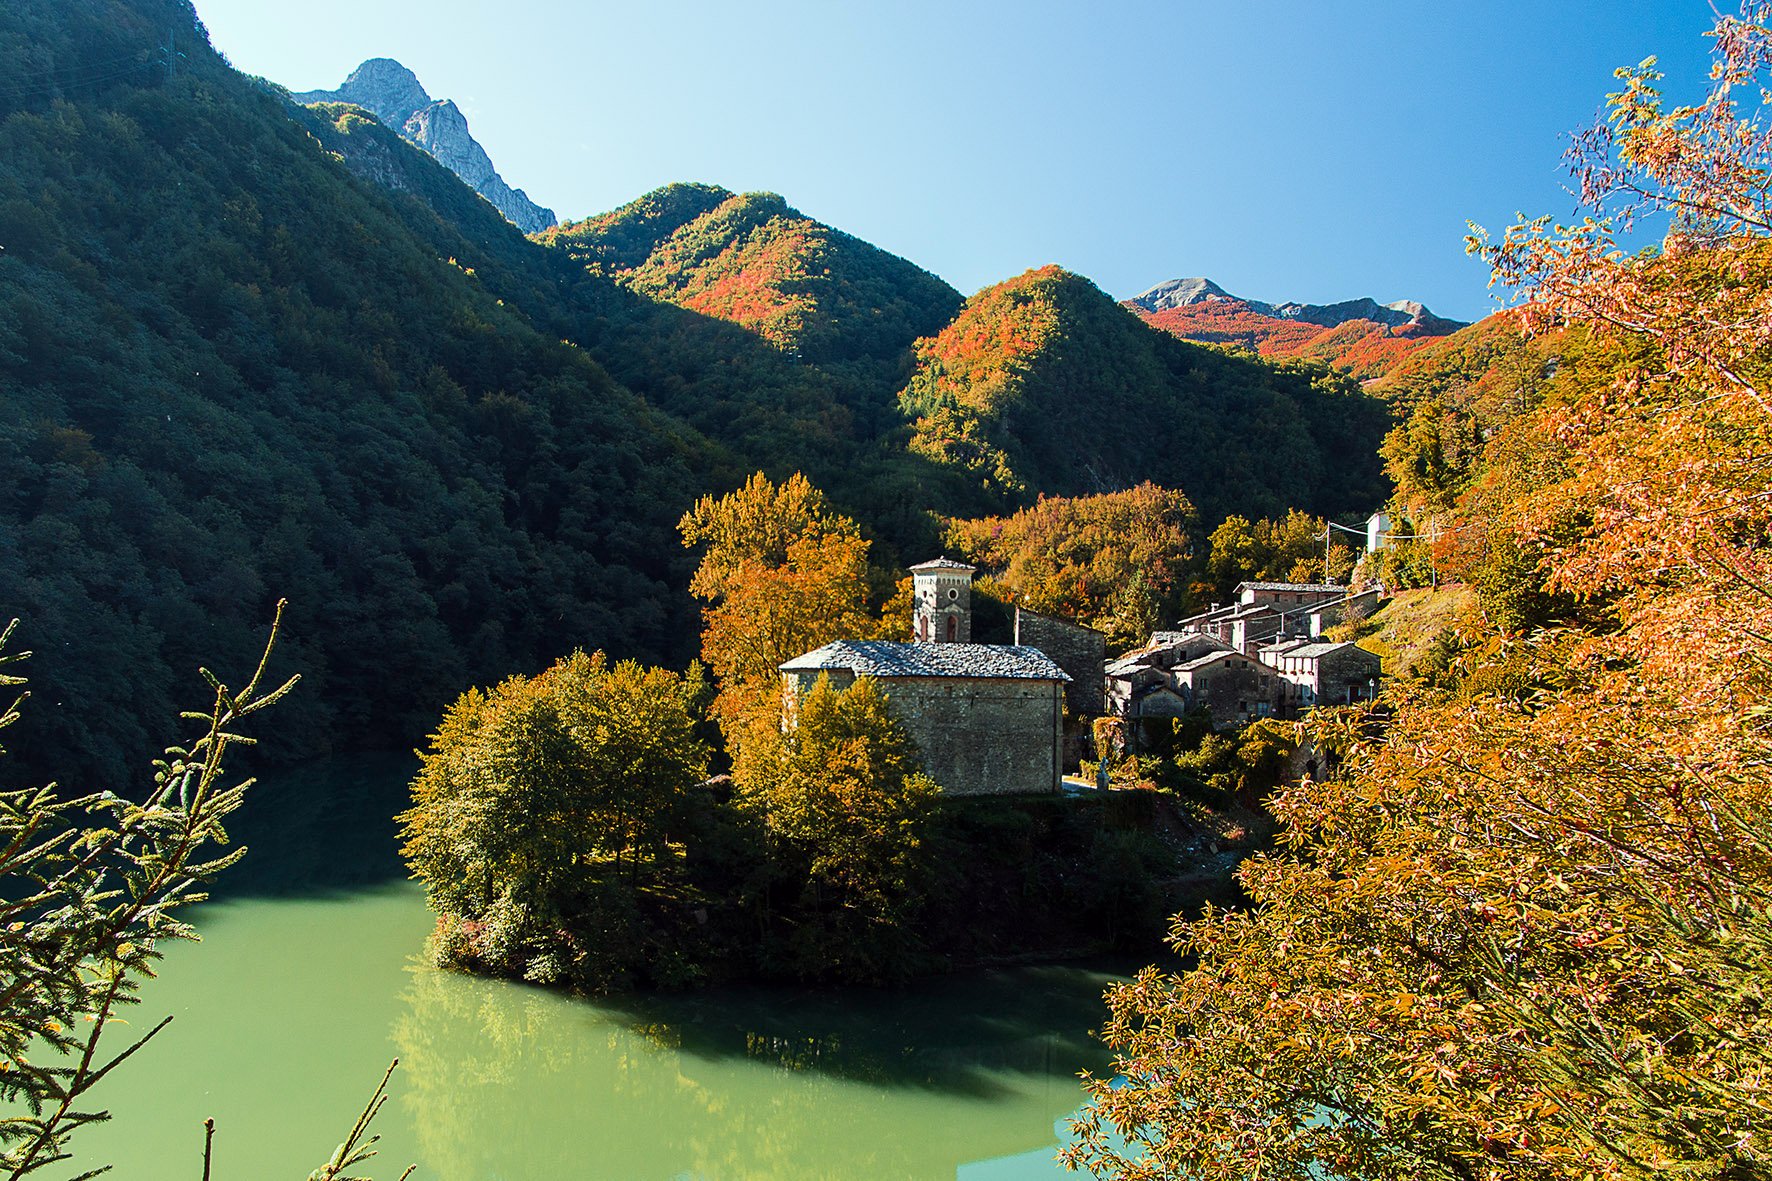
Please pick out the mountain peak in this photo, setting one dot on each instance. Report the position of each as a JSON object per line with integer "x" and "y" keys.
{"x": 393, "y": 94}
{"x": 1177, "y": 293}
{"x": 1362, "y": 335}
{"x": 382, "y": 86}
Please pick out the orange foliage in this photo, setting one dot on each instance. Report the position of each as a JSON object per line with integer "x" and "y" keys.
{"x": 1363, "y": 347}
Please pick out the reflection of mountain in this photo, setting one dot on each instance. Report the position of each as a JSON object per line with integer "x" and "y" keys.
{"x": 745, "y": 1085}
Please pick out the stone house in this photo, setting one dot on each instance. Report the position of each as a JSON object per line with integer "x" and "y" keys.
{"x": 1235, "y": 686}
{"x": 1261, "y": 656}
{"x": 1353, "y": 606}
{"x": 1082, "y": 653}
{"x": 988, "y": 719}
{"x": 1324, "y": 673}
{"x": 1131, "y": 680}
{"x": 1188, "y": 671}
{"x": 1287, "y": 596}
{"x": 1242, "y": 626}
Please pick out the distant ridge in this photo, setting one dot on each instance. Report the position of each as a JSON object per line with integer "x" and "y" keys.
{"x": 1177, "y": 293}
{"x": 1361, "y": 335}
{"x": 392, "y": 93}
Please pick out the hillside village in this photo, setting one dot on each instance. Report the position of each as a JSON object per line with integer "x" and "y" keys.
{"x": 1002, "y": 719}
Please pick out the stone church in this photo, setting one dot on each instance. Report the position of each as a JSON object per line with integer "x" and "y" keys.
{"x": 988, "y": 718}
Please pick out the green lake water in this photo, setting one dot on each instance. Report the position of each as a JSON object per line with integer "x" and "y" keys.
{"x": 309, "y": 980}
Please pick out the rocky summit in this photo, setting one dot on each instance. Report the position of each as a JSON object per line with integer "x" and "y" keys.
{"x": 392, "y": 93}
{"x": 1179, "y": 293}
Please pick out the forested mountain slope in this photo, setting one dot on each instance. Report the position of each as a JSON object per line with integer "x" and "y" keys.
{"x": 230, "y": 371}
{"x": 1045, "y": 384}
{"x": 812, "y": 291}
{"x": 251, "y": 349}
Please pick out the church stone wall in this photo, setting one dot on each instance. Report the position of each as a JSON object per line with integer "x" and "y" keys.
{"x": 983, "y": 736}
{"x": 1079, "y": 651}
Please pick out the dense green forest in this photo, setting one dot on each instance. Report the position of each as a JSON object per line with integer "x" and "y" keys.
{"x": 229, "y": 372}
{"x": 250, "y": 349}
{"x": 1045, "y": 384}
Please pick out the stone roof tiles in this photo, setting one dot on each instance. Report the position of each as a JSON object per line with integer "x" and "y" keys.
{"x": 1318, "y": 651}
{"x": 1291, "y": 586}
{"x": 942, "y": 563}
{"x": 889, "y": 658}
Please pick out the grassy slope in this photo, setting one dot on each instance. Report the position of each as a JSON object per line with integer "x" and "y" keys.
{"x": 1404, "y": 626}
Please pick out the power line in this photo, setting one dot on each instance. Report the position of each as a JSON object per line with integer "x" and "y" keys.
{"x": 77, "y": 81}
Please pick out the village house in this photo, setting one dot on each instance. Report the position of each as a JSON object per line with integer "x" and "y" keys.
{"x": 988, "y": 719}
{"x": 1261, "y": 656}
{"x": 1287, "y": 596}
{"x": 1082, "y": 653}
{"x": 1241, "y": 626}
{"x": 1179, "y": 672}
{"x": 1139, "y": 684}
{"x": 1324, "y": 673}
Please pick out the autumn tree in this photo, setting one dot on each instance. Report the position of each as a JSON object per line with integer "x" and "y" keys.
{"x": 544, "y": 798}
{"x": 1117, "y": 562}
{"x": 845, "y": 805}
{"x": 1284, "y": 549}
{"x": 782, "y": 574}
{"x": 1527, "y": 933}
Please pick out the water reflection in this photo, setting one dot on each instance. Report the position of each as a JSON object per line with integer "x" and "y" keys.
{"x": 309, "y": 978}
{"x": 752, "y": 1085}
{"x": 321, "y": 827}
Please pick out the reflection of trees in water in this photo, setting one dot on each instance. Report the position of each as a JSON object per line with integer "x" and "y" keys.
{"x": 321, "y": 827}
{"x": 511, "y": 1081}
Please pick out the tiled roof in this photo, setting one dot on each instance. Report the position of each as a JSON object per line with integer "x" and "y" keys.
{"x": 888, "y": 658}
{"x": 1291, "y": 586}
{"x": 1129, "y": 664}
{"x": 1211, "y": 658}
{"x": 942, "y": 563}
{"x": 1318, "y": 651}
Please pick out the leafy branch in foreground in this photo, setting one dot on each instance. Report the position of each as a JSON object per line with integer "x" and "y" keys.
{"x": 1525, "y": 934}
{"x": 358, "y": 1147}
{"x": 93, "y": 884}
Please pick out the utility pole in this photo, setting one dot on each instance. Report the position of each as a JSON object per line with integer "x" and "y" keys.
{"x": 1328, "y": 530}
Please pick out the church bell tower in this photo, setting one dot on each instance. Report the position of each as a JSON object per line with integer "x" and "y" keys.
{"x": 941, "y": 603}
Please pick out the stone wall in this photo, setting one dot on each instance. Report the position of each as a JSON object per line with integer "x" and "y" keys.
{"x": 1235, "y": 691}
{"x": 1079, "y": 651}
{"x": 1346, "y": 675}
{"x": 981, "y": 736}
{"x": 976, "y": 735}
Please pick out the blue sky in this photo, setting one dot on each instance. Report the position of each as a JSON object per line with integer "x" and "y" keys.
{"x": 1289, "y": 149}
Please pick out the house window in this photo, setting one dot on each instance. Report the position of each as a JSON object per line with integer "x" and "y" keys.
{"x": 953, "y": 628}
